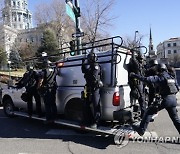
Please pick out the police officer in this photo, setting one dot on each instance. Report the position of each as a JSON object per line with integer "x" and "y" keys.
{"x": 47, "y": 89}
{"x": 171, "y": 70}
{"x": 168, "y": 89}
{"x": 151, "y": 71}
{"x": 92, "y": 74}
{"x": 137, "y": 88}
{"x": 30, "y": 82}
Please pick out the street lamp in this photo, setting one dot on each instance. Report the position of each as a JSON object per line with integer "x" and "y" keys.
{"x": 9, "y": 64}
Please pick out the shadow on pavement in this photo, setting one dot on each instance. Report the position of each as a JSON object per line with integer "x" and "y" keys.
{"x": 20, "y": 127}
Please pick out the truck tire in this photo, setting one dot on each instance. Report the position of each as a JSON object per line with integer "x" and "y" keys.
{"x": 74, "y": 110}
{"x": 8, "y": 108}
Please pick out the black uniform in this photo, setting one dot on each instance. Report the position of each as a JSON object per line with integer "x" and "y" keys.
{"x": 168, "y": 88}
{"x": 153, "y": 89}
{"x": 171, "y": 70}
{"x": 48, "y": 92}
{"x": 92, "y": 74}
{"x": 137, "y": 88}
{"x": 30, "y": 81}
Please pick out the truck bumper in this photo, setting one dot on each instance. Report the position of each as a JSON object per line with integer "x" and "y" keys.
{"x": 123, "y": 115}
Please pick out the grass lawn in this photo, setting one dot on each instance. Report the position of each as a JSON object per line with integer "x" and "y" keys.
{"x": 18, "y": 73}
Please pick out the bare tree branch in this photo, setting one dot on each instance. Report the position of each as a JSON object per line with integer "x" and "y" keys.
{"x": 96, "y": 16}
{"x": 54, "y": 15}
{"x": 131, "y": 42}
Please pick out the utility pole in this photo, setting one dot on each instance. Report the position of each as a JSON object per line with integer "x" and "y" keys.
{"x": 78, "y": 26}
{"x": 135, "y": 36}
{"x": 75, "y": 8}
{"x": 9, "y": 64}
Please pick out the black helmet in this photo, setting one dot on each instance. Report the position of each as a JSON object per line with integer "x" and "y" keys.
{"x": 153, "y": 62}
{"x": 161, "y": 67}
{"x": 29, "y": 67}
{"x": 92, "y": 57}
{"x": 46, "y": 63}
{"x": 140, "y": 57}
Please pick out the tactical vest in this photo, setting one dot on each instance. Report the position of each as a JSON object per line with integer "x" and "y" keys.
{"x": 29, "y": 80}
{"x": 169, "y": 86}
{"x": 33, "y": 79}
{"x": 93, "y": 75}
{"x": 49, "y": 77}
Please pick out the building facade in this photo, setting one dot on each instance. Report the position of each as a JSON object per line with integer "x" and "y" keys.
{"x": 169, "y": 48}
{"x": 17, "y": 20}
{"x": 16, "y": 14}
{"x": 7, "y": 37}
{"x": 17, "y": 29}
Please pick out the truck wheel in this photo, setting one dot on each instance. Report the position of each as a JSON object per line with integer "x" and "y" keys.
{"x": 8, "y": 107}
{"x": 74, "y": 110}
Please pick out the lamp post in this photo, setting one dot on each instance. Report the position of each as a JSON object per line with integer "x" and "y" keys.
{"x": 9, "y": 64}
{"x": 135, "y": 43}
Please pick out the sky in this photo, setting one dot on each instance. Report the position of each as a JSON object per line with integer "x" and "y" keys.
{"x": 163, "y": 16}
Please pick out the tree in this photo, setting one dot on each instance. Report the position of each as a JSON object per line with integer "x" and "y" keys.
{"x": 3, "y": 57}
{"x": 133, "y": 42}
{"x": 49, "y": 44}
{"x": 54, "y": 16}
{"x": 15, "y": 59}
{"x": 174, "y": 60}
{"x": 26, "y": 50}
{"x": 96, "y": 18}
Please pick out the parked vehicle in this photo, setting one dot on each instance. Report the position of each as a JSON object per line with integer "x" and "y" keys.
{"x": 115, "y": 100}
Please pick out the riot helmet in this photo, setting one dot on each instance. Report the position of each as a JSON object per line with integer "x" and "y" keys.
{"x": 29, "y": 67}
{"x": 161, "y": 67}
{"x": 92, "y": 57}
{"x": 140, "y": 57}
{"x": 153, "y": 63}
{"x": 46, "y": 63}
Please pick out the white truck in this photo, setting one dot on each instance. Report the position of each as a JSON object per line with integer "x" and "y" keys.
{"x": 115, "y": 99}
{"x": 114, "y": 94}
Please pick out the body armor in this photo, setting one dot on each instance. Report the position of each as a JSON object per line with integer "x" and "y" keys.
{"x": 49, "y": 77}
{"x": 169, "y": 87}
{"x": 93, "y": 76}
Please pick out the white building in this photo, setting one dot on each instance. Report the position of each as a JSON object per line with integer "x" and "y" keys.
{"x": 16, "y": 20}
{"x": 32, "y": 35}
{"x": 169, "y": 48}
{"x": 8, "y": 36}
{"x": 16, "y": 14}
{"x": 17, "y": 28}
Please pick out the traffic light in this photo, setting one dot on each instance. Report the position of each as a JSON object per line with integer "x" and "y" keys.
{"x": 72, "y": 47}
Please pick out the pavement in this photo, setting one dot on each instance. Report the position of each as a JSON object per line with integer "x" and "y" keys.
{"x": 178, "y": 98}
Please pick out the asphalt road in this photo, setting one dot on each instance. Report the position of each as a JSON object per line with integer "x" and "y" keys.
{"x": 26, "y": 136}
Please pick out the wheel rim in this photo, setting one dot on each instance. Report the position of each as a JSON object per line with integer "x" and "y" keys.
{"x": 9, "y": 109}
